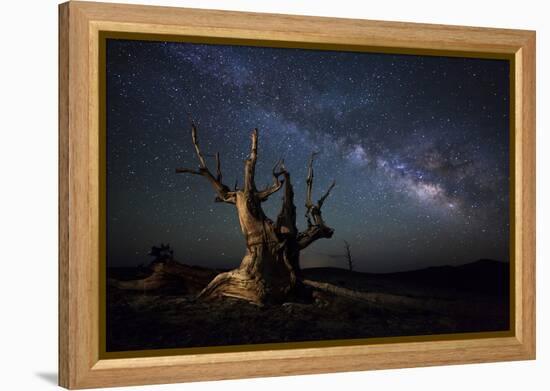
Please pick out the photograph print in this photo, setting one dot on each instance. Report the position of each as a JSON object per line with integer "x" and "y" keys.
{"x": 267, "y": 197}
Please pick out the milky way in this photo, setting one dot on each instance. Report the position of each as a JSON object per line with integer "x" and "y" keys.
{"x": 418, "y": 146}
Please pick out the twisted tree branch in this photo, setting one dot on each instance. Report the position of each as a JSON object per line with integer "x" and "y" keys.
{"x": 250, "y": 164}
{"x": 224, "y": 194}
{"x": 317, "y": 228}
{"x": 264, "y": 194}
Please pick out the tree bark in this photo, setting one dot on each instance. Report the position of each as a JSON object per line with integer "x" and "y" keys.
{"x": 264, "y": 274}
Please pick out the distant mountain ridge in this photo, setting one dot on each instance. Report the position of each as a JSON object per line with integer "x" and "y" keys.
{"x": 483, "y": 275}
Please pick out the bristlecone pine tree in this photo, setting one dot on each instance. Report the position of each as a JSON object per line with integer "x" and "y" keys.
{"x": 270, "y": 269}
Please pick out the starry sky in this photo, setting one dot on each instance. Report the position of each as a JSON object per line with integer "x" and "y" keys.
{"x": 418, "y": 146}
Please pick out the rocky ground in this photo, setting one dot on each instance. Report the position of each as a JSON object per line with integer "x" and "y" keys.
{"x": 469, "y": 298}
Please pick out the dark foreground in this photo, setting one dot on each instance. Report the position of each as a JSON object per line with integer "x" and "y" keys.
{"x": 468, "y": 298}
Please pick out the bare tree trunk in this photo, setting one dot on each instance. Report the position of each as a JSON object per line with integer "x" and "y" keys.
{"x": 264, "y": 274}
{"x": 270, "y": 269}
{"x": 348, "y": 255}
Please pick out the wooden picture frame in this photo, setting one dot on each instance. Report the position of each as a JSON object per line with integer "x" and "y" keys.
{"x": 80, "y": 25}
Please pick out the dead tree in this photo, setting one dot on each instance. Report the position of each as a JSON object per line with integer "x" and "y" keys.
{"x": 348, "y": 255}
{"x": 270, "y": 269}
{"x": 162, "y": 253}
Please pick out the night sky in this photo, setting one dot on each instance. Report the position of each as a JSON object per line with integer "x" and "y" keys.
{"x": 418, "y": 146}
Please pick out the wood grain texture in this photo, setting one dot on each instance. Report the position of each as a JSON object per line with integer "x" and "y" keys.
{"x": 63, "y": 309}
{"x": 528, "y": 188}
{"x": 80, "y": 365}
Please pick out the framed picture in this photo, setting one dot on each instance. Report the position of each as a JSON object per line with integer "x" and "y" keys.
{"x": 248, "y": 195}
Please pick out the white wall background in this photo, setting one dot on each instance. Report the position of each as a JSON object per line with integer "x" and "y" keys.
{"x": 28, "y": 194}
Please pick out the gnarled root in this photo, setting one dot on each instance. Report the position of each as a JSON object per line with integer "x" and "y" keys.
{"x": 239, "y": 284}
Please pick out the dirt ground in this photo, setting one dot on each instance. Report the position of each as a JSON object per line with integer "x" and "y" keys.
{"x": 470, "y": 298}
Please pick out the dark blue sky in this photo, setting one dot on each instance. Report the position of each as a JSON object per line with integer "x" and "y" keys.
{"x": 418, "y": 145}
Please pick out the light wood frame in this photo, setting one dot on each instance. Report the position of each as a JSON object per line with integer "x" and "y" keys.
{"x": 80, "y": 364}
